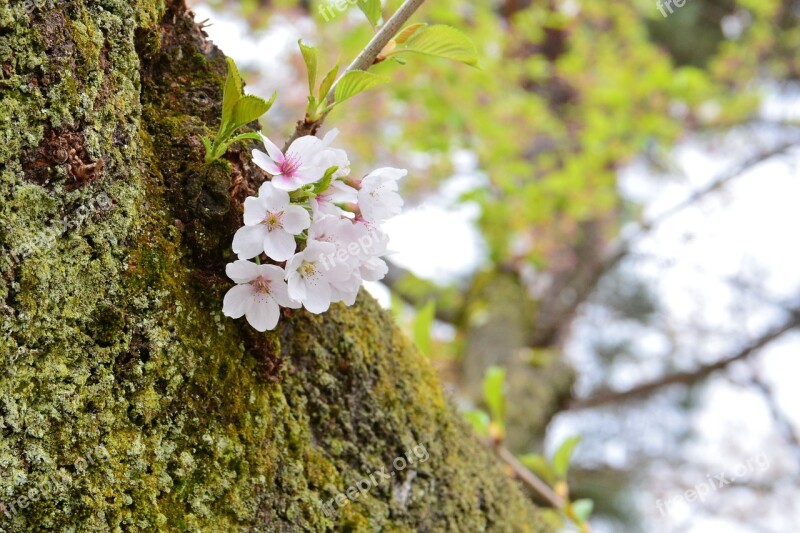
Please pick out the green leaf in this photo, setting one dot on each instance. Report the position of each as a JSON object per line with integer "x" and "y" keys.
{"x": 209, "y": 148}
{"x": 407, "y": 32}
{"x": 479, "y": 421}
{"x": 582, "y": 509}
{"x": 355, "y": 82}
{"x": 494, "y": 393}
{"x": 327, "y": 82}
{"x": 251, "y": 135}
{"x": 539, "y": 466}
{"x": 372, "y": 9}
{"x": 310, "y": 57}
{"x": 563, "y": 454}
{"x": 442, "y": 41}
{"x": 234, "y": 89}
{"x": 325, "y": 181}
{"x": 422, "y": 327}
{"x": 398, "y": 307}
{"x": 219, "y": 150}
{"x": 250, "y": 108}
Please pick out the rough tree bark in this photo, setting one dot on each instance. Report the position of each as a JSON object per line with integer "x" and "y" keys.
{"x": 127, "y": 401}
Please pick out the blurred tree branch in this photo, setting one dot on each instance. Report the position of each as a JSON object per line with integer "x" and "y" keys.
{"x": 528, "y": 478}
{"x": 553, "y": 317}
{"x": 779, "y": 416}
{"x": 416, "y": 292}
{"x": 693, "y": 377}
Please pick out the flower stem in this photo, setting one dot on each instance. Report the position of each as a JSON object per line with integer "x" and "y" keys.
{"x": 309, "y": 125}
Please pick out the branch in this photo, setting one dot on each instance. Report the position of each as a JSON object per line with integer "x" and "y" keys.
{"x": 363, "y": 61}
{"x": 781, "y": 419}
{"x": 552, "y": 321}
{"x": 717, "y": 184}
{"x": 367, "y": 56}
{"x": 529, "y": 478}
{"x": 416, "y": 292}
{"x": 685, "y": 378}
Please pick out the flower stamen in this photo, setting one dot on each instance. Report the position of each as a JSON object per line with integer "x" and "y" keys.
{"x": 289, "y": 165}
{"x": 261, "y": 285}
{"x": 273, "y": 220}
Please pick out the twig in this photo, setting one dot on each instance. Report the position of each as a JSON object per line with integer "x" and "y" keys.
{"x": 416, "y": 292}
{"x": 529, "y": 478}
{"x": 781, "y": 419}
{"x": 363, "y": 61}
{"x": 686, "y": 378}
{"x": 551, "y": 321}
{"x": 367, "y": 56}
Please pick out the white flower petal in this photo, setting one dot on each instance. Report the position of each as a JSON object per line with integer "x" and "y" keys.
{"x": 296, "y": 286}
{"x": 280, "y": 291}
{"x": 264, "y": 162}
{"x": 318, "y": 299}
{"x": 295, "y": 219}
{"x": 248, "y": 242}
{"x": 386, "y": 174}
{"x": 264, "y": 314}
{"x": 305, "y": 148}
{"x": 330, "y": 137}
{"x": 242, "y": 271}
{"x": 255, "y": 211}
{"x": 279, "y": 245}
{"x": 286, "y": 183}
{"x": 274, "y": 199}
{"x": 238, "y": 301}
{"x": 271, "y": 272}
{"x": 347, "y": 297}
{"x": 273, "y": 151}
{"x": 309, "y": 174}
{"x": 342, "y": 193}
{"x": 374, "y": 269}
{"x": 315, "y": 250}
{"x": 338, "y": 272}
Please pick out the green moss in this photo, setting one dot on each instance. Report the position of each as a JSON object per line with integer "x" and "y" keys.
{"x": 113, "y": 334}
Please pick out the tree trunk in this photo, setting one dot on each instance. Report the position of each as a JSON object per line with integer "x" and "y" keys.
{"x": 127, "y": 401}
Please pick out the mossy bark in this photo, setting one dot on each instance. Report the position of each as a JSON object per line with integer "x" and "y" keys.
{"x": 127, "y": 401}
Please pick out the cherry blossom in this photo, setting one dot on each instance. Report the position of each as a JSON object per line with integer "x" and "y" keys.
{"x": 297, "y": 167}
{"x": 309, "y": 281}
{"x": 334, "y": 157}
{"x": 378, "y": 199}
{"x": 271, "y": 222}
{"x": 258, "y": 295}
{"x": 338, "y": 193}
{"x": 304, "y": 162}
{"x": 341, "y": 242}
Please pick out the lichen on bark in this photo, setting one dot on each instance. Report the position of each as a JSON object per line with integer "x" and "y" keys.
{"x": 114, "y": 237}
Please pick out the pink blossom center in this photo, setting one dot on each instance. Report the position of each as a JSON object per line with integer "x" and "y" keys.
{"x": 261, "y": 285}
{"x": 289, "y": 165}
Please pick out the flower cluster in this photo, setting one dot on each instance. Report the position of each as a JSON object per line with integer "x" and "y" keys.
{"x": 319, "y": 229}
